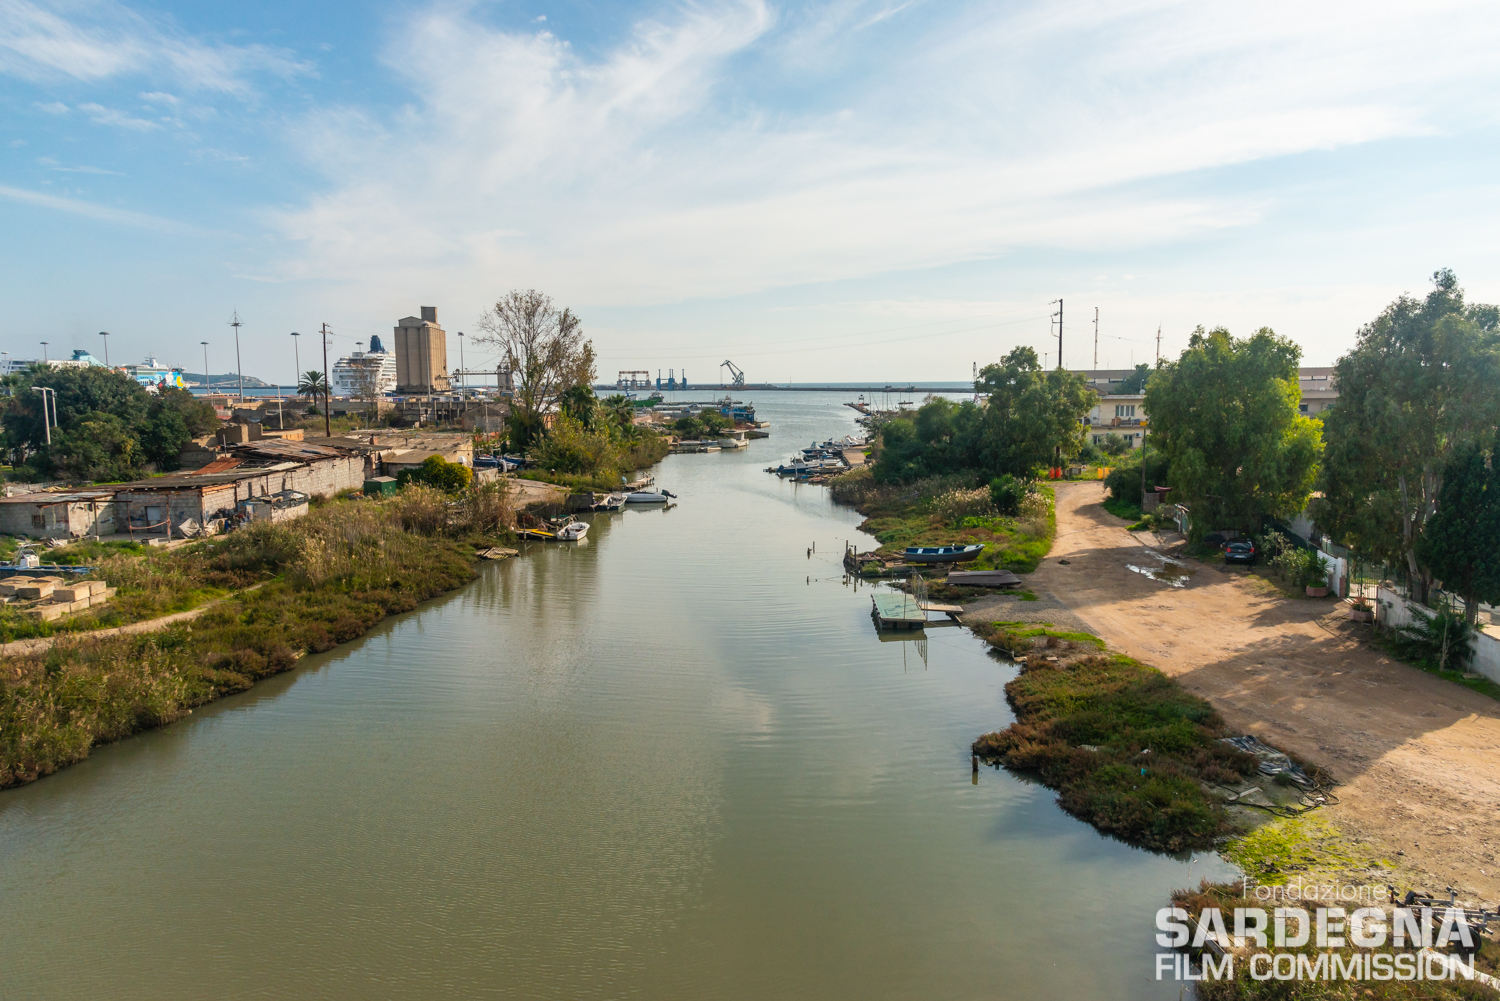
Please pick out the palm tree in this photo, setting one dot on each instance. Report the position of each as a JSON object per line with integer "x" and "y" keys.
{"x": 621, "y": 411}
{"x": 311, "y": 384}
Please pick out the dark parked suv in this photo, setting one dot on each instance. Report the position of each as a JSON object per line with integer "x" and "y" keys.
{"x": 1239, "y": 551}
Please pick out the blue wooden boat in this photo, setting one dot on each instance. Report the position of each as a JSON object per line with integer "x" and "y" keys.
{"x": 943, "y": 554}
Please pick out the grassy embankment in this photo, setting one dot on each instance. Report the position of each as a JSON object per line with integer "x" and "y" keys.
{"x": 325, "y": 579}
{"x": 949, "y": 511}
{"x": 1126, "y": 748}
{"x": 642, "y": 453}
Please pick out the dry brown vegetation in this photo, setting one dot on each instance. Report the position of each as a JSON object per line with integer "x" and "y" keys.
{"x": 327, "y": 578}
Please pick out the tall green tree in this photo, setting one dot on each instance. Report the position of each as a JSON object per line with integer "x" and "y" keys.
{"x": 1225, "y": 417}
{"x": 1031, "y": 417}
{"x": 1420, "y": 382}
{"x": 107, "y": 426}
{"x": 1135, "y": 382}
{"x": 1460, "y": 545}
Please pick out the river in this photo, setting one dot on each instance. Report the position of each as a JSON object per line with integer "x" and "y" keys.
{"x": 675, "y": 762}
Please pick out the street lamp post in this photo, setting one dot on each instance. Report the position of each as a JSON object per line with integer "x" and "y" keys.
{"x": 296, "y": 357}
{"x": 208, "y": 382}
{"x": 105, "y": 334}
{"x": 44, "y": 352}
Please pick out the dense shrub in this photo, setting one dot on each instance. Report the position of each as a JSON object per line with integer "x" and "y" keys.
{"x": 1154, "y": 741}
{"x": 436, "y": 471}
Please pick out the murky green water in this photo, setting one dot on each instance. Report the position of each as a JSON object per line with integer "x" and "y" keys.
{"x": 673, "y": 763}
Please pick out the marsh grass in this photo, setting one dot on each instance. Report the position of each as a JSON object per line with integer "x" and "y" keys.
{"x": 951, "y": 510}
{"x": 1156, "y": 743}
{"x": 325, "y": 579}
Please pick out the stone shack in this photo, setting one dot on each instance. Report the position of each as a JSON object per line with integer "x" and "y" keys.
{"x": 69, "y": 514}
{"x": 208, "y": 498}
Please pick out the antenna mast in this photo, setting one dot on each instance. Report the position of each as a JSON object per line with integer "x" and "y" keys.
{"x": 1096, "y": 337}
{"x": 236, "y": 324}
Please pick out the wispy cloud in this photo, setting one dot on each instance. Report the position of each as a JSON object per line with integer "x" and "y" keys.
{"x": 86, "y": 170}
{"x": 101, "y": 115}
{"x": 654, "y": 172}
{"x": 76, "y": 206}
{"x": 94, "y": 40}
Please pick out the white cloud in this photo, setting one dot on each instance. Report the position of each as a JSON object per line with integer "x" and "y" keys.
{"x": 86, "y": 170}
{"x": 53, "y": 108}
{"x": 76, "y": 206}
{"x": 101, "y": 115}
{"x": 654, "y": 172}
{"x": 97, "y": 39}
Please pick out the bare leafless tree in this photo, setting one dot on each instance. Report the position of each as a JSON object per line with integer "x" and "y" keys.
{"x": 546, "y": 352}
{"x": 365, "y": 381}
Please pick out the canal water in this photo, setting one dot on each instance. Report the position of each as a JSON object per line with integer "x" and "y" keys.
{"x": 675, "y": 762}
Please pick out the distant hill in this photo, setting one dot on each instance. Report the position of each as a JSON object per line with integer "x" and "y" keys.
{"x": 224, "y": 381}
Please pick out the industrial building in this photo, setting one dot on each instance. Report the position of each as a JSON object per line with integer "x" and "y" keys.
{"x": 422, "y": 354}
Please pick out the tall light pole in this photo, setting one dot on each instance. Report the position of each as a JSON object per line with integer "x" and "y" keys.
{"x": 462, "y": 384}
{"x": 105, "y": 334}
{"x": 44, "y": 352}
{"x": 327, "y": 425}
{"x": 296, "y": 358}
{"x": 208, "y": 382}
{"x": 236, "y": 324}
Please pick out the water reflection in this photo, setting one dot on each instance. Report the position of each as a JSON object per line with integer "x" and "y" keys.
{"x": 674, "y": 763}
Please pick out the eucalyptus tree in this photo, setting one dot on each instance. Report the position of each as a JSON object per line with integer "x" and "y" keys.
{"x": 1225, "y": 416}
{"x": 1420, "y": 383}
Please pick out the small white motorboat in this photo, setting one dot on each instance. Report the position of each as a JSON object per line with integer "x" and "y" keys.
{"x": 573, "y": 531}
{"x": 646, "y": 497}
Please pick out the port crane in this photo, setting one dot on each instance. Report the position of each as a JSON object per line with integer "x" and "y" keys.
{"x": 734, "y": 371}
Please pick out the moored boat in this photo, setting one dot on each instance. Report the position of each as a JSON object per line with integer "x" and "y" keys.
{"x": 573, "y": 531}
{"x": 942, "y": 554}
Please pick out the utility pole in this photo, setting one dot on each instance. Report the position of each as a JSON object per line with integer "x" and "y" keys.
{"x": 105, "y": 334}
{"x": 327, "y": 425}
{"x": 296, "y": 358}
{"x": 1158, "y": 344}
{"x": 1059, "y": 315}
{"x": 236, "y": 324}
{"x": 46, "y": 423}
{"x": 1096, "y": 337}
{"x": 208, "y": 383}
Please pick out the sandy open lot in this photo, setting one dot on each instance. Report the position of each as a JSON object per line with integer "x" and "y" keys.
{"x": 1418, "y": 758}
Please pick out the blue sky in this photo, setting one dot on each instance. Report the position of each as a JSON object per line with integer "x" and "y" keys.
{"x": 840, "y": 191}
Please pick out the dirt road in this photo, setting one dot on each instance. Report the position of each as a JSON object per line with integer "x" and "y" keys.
{"x": 1418, "y": 758}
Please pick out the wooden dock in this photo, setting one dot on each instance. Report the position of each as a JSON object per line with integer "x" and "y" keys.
{"x": 898, "y": 611}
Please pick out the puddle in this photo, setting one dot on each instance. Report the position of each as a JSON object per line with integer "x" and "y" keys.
{"x": 1169, "y": 572}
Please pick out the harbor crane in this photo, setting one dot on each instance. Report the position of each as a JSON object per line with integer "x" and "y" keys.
{"x": 734, "y": 371}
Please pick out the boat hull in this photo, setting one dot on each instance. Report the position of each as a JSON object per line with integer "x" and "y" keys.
{"x": 954, "y": 556}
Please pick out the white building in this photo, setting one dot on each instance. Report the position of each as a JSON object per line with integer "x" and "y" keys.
{"x": 351, "y": 372}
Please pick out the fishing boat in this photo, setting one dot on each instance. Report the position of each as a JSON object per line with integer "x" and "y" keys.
{"x": 573, "y": 531}
{"x": 26, "y": 561}
{"x": 983, "y": 578}
{"x": 942, "y": 554}
{"x": 611, "y": 502}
